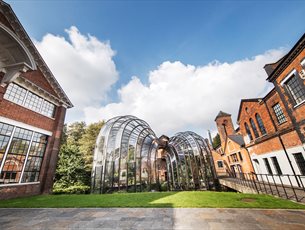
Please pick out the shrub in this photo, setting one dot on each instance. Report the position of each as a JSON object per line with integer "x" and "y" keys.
{"x": 74, "y": 189}
{"x": 164, "y": 187}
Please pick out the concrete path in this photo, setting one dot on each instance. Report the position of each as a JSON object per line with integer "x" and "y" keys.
{"x": 151, "y": 218}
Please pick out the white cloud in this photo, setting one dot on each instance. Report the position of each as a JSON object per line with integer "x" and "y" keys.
{"x": 83, "y": 65}
{"x": 181, "y": 97}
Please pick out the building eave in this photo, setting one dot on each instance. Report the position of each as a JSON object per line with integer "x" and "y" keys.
{"x": 24, "y": 37}
{"x": 287, "y": 59}
{"x": 243, "y": 101}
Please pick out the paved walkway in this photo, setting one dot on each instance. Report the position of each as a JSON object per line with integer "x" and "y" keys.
{"x": 151, "y": 218}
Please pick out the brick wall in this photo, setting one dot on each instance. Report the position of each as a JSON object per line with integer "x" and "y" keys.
{"x": 227, "y": 121}
{"x": 19, "y": 113}
{"x": 38, "y": 79}
{"x": 19, "y": 191}
{"x": 297, "y": 113}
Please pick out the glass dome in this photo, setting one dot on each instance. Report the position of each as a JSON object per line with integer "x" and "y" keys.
{"x": 130, "y": 157}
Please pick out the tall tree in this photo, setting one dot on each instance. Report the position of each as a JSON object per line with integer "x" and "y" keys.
{"x": 76, "y": 155}
{"x": 87, "y": 143}
{"x": 75, "y": 131}
{"x": 70, "y": 169}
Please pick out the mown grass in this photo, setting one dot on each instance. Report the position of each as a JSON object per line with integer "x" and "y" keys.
{"x": 194, "y": 199}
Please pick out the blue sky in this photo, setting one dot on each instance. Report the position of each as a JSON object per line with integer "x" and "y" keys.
{"x": 145, "y": 34}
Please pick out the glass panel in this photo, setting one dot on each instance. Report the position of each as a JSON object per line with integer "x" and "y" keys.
{"x": 295, "y": 89}
{"x": 5, "y": 133}
{"x": 276, "y": 166}
{"x": 48, "y": 109}
{"x": 279, "y": 113}
{"x": 254, "y": 128}
{"x": 15, "y": 93}
{"x": 17, "y": 152}
{"x": 248, "y": 131}
{"x": 34, "y": 161}
{"x": 260, "y": 124}
{"x": 299, "y": 158}
{"x": 33, "y": 102}
{"x": 268, "y": 166}
{"x": 134, "y": 159}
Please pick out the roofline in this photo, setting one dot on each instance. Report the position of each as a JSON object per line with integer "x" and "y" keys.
{"x": 234, "y": 140}
{"x": 227, "y": 115}
{"x": 296, "y": 49}
{"x": 246, "y": 100}
{"x": 19, "y": 30}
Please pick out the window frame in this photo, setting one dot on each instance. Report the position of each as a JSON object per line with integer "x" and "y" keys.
{"x": 253, "y": 126}
{"x": 27, "y": 100}
{"x": 281, "y": 118}
{"x": 248, "y": 131}
{"x": 276, "y": 165}
{"x": 288, "y": 91}
{"x": 260, "y": 123}
{"x": 268, "y": 166}
{"x": 19, "y": 148}
{"x": 219, "y": 161}
{"x": 240, "y": 156}
{"x": 301, "y": 165}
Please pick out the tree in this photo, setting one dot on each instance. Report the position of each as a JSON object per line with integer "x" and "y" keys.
{"x": 73, "y": 172}
{"x": 216, "y": 141}
{"x": 75, "y": 131}
{"x": 87, "y": 143}
{"x": 70, "y": 171}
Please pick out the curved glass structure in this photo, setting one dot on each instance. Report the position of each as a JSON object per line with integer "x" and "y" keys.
{"x": 189, "y": 162}
{"x": 130, "y": 157}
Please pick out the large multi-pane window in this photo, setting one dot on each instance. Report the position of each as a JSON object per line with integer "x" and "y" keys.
{"x": 260, "y": 124}
{"x": 300, "y": 162}
{"x": 15, "y": 93}
{"x": 295, "y": 89}
{"x": 279, "y": 113}
{"x": 22, "y": 96}
{"x": 254, "y": 128}
{"x": 5, "y": 133}
{"x": 248, "y": 132}
{"x": 48, "y": 109}
{"x": 33, "y": 102}
{"x": 21, "y": 154}
{"x": 276, "y": 166}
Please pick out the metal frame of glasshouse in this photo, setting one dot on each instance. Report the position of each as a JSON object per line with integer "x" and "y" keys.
{"x": 129, "y": 157}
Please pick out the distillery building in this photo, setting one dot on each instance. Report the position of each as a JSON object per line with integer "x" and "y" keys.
{"x": 32, "y": 113}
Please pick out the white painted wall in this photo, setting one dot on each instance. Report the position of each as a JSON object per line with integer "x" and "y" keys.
{"x": 283, "y": 162}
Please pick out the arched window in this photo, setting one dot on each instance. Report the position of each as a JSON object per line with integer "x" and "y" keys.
{"x": 260, "y": 124}
{"x": 248, "y": 131}
{"x": 254, "y": 128}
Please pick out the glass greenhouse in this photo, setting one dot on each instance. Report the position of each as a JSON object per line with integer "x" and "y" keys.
{"x": 130, "y": 157}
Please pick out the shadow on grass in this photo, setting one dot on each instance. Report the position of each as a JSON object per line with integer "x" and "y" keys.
{"x": 190, "y": 199}
{"x": 150, "y": 200}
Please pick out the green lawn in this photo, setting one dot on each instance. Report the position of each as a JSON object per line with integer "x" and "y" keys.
{"x": 194, "y": 199}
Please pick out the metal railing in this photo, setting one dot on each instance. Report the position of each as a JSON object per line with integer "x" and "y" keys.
{"x": 284, "y": 186}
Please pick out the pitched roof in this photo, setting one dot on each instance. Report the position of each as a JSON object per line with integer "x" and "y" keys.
{"x": 246, "y": 100}
{"x": 269, "y": 68}
{"x": 24, "y": 37}
{"x": 237, "y": 139}
{"x": 274, "y": 69}
{"x": 222, "y": 114}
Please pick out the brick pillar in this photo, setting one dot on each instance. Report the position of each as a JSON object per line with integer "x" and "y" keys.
{"x": 51, "y": 154}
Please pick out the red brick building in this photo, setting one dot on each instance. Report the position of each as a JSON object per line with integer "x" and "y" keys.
{"x": 32, "y": 112}
{"x": 273, "y": 127}
{"x": 231, "y": 157}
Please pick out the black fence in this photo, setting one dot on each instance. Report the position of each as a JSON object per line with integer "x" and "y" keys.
{"x": 285, "y": 185}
